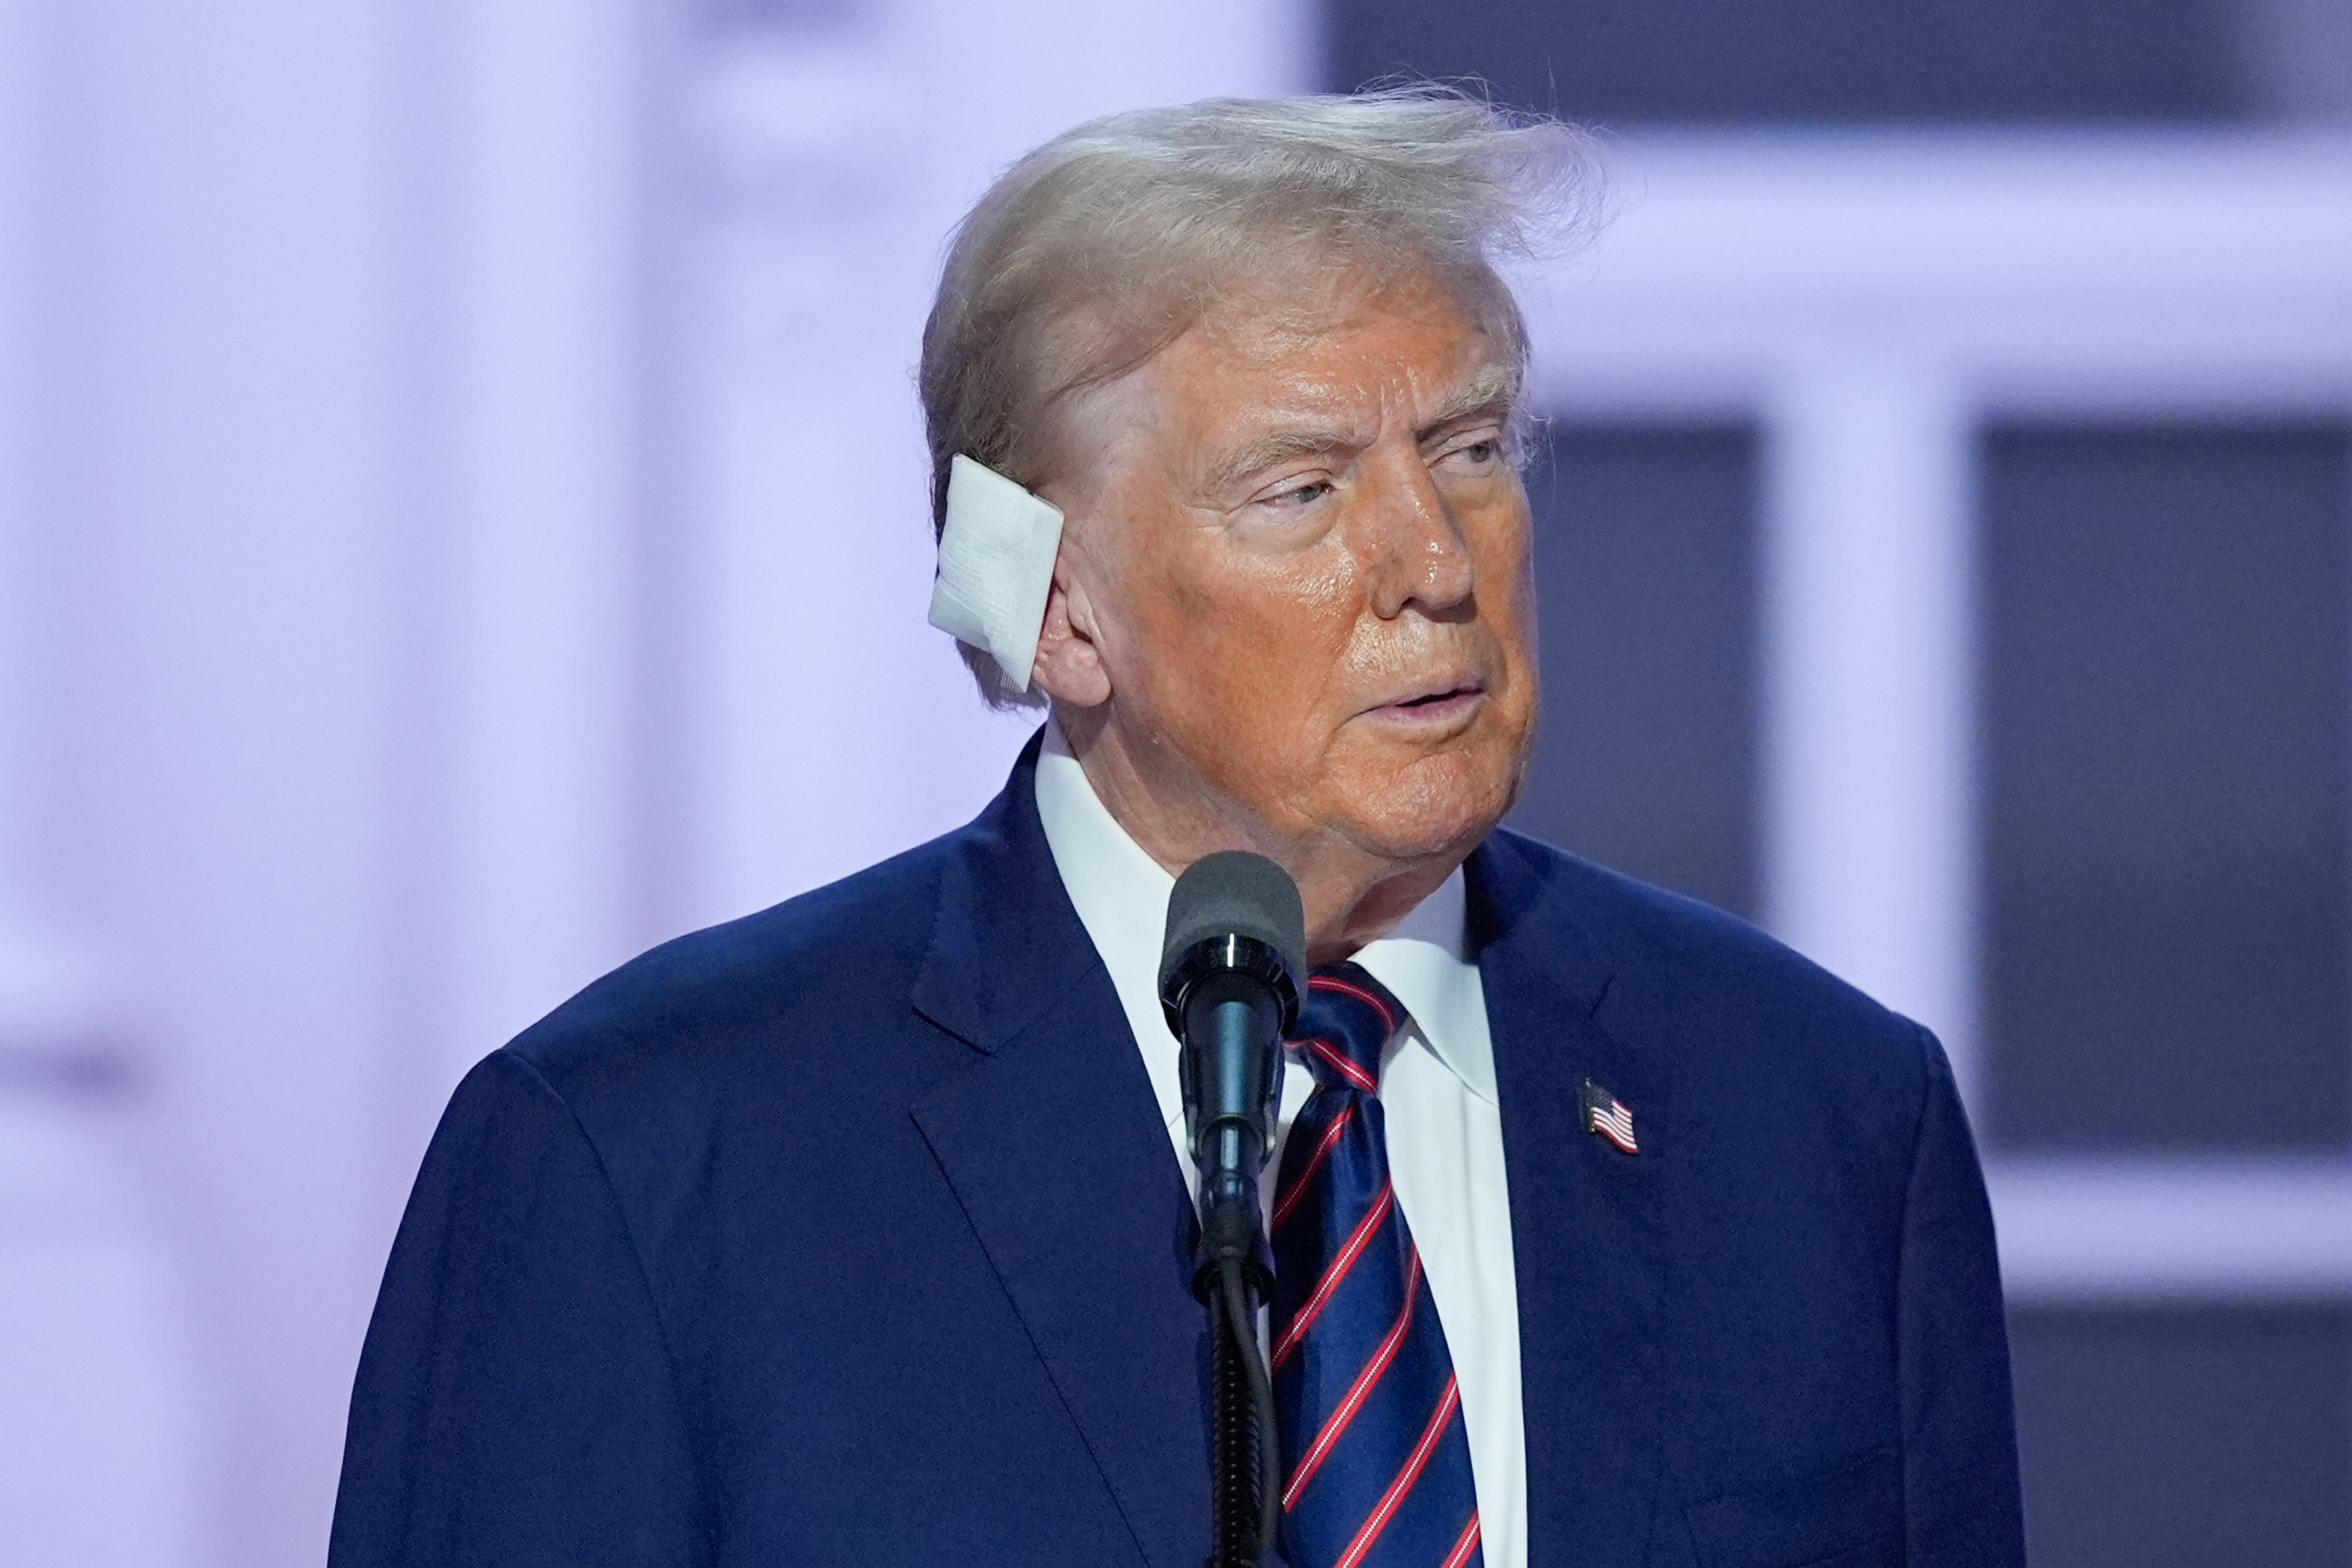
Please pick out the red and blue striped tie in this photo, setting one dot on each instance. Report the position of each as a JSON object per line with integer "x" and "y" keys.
{"x": 1376, "y": 1459}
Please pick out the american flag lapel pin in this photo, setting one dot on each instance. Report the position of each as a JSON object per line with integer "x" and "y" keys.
{"x": 1609, "y": 1116}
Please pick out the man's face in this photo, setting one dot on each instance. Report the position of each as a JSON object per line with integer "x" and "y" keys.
{"x": 1302, "y": 560}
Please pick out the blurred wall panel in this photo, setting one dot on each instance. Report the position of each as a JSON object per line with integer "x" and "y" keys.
{"x": 218, "y": 508}
{"x": 2297, "y": 58}
{"x": 106, "y": 1393}
{"x": 335, "y": 515}
{"x": 22, "y": 84}
{"x": 1869, "y": 766}
{"x": 2168, "y": 797}
{"x": 102, "y": 1415}
{"x": 1620, "y": 60}
{"x": 1645, "y": 569}
{"x": 2180, "y": 1435}
{"x": 532, "y": 137}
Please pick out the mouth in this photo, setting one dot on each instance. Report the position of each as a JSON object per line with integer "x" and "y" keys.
{"x": 1445, "y": 702}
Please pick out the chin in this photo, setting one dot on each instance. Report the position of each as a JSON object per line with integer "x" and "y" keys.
{"x": 1439, "y": 807}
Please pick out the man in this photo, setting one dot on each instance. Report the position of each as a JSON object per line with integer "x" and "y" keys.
{"x": 1608, "y": 1231}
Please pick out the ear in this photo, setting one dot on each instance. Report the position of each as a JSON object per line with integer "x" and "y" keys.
{"x": 1069, "y": 665}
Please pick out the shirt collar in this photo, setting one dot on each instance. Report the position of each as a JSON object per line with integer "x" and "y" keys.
{"x": 1423, "y": 962}
{"x": 1121, "y": 896}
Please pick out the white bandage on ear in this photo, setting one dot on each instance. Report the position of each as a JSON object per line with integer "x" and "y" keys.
{"x": 996, "y": 566}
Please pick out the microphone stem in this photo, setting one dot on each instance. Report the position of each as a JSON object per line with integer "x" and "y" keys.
{"x": 1240, "y": 1317}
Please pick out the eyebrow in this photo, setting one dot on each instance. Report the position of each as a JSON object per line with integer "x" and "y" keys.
{"x": 1491, "y": 391}
{"x": 1274, "y": 446}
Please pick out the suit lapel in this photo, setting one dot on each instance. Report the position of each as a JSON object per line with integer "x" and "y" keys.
{"x": 1585, "y": 1236}
{"x": 1052, "y": 1141}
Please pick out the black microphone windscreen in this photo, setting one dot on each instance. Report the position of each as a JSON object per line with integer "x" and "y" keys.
{"x": 1235, "y": 893}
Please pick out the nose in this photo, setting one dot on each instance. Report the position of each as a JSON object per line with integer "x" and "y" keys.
{"x": 1415, "y": 548}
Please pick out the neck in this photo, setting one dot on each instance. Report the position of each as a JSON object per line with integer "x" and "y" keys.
{"x": 1352, "y": 895}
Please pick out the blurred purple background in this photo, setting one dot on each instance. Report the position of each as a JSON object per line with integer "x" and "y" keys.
{"x": 462, "y": 520}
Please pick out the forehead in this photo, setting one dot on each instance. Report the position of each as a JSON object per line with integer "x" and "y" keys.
{"x": 1344, "y": 340}
{"x": 1331, "y": 359}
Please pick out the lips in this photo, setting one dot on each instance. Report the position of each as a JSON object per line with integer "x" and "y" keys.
{"x": 1435, "y": 699}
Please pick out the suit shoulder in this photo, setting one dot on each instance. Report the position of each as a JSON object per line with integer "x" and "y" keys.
{"x": 811, "y": 965}
{"x": 1671, "y": 955}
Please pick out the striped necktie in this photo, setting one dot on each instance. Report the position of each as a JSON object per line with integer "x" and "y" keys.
{"x": 1376, "y": 1459}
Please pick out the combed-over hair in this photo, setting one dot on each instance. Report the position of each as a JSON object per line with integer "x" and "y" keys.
{"x": 1094, "y": 252}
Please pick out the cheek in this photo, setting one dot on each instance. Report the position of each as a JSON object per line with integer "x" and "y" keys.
{"x": 1517, "y": 632}
{"x": 1506, "y": 572}
{"x": 1251, "y": 655}
{"x": 1303, "y": 648}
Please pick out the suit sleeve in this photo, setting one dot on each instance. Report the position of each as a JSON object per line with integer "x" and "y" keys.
{"x": 1960, "y": 1442}
{"x": 514, "y": 1404}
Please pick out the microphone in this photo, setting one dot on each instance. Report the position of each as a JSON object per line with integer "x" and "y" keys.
{"x": 1229, "y": 984}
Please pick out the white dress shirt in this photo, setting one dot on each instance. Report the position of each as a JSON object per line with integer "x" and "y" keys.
{"x": 1437, "y": 1096}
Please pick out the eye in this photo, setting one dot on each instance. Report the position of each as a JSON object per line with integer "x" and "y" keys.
{"x": 1304, "y": 492}
{"x": 1475, "y": 455}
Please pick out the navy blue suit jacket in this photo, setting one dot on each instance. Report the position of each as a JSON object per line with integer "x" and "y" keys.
{"x": 849, "y": 1233}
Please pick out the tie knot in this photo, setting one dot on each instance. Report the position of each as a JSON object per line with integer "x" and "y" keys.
{"x": 1345, "y": 1021}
